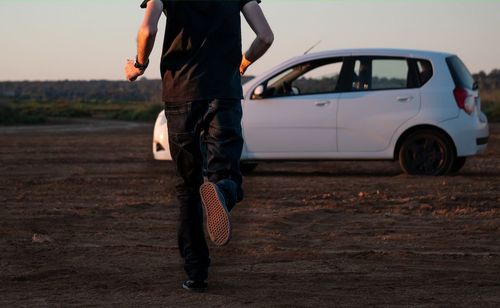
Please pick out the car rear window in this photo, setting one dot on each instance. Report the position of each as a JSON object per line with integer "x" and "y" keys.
{"x": 460, "y": 73}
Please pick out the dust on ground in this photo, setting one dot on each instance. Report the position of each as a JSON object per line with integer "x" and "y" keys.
{"x": 87, "y": 217}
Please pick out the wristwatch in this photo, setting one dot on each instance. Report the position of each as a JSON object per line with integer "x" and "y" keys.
{"x": 140, "y": 66}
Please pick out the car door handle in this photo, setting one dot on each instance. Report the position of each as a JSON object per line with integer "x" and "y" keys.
{"x": 404, "y": 99}
{"x": 322, "y": 103}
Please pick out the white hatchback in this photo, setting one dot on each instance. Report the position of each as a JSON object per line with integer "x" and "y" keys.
{"x": 419, "y": 107}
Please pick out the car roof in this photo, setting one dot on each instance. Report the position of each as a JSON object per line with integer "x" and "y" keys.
{"x": 392, "y": 52}
{"x": 412, "y": 53}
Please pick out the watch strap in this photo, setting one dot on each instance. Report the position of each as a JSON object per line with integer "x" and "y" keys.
{"x": 140, "y": 66}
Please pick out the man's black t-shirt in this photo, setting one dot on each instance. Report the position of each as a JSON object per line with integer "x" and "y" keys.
{"x": 202, "y": 50}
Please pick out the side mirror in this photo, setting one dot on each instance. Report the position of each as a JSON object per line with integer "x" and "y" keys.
{"x": 258, "y": 93}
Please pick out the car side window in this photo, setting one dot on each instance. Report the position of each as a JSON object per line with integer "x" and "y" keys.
{"x": 389, "y": 74}
{"x": 315, "y": 77}
{"x": 361, "y": 78}
{"x": 425, "y": 71}
{"x": 322, "y": 79}
{"x": 381, "y": 74}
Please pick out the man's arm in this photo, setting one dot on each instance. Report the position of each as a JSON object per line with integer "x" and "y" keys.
{"x": 265, "y": 37}
{"x": 145, "y": 40}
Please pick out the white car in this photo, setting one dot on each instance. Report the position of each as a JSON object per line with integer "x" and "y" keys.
{"x": 419, "y": 107}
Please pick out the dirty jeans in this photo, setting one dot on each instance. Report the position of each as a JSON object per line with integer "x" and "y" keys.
{"x": 203, "y": 131}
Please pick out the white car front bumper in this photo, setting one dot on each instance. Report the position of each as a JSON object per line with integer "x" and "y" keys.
{"x": 161, "y": 148}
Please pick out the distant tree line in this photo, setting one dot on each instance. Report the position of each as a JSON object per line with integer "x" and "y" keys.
{"x": 101, "y": 91}
{"x": 95, "y": 91}
{"x": 98, "y": 91}
{"x": 489, "y": 81}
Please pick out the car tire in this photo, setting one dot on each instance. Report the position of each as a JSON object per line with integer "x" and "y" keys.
{"x": 247, "y": 167}
{"x": 427, "y": 152}
{"x": 458, "y": 165}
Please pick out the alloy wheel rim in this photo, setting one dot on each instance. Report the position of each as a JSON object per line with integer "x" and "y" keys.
{"x": 426, "y": 155}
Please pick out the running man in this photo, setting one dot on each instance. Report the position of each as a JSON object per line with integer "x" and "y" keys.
{"x": 201, "y": 68}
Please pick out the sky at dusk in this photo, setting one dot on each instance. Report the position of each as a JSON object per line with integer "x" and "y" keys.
{"x": 77, "y": 39}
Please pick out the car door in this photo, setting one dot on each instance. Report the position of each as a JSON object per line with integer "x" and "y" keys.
{"x": 294, "y": 116}
{"x": 383, "y": 96}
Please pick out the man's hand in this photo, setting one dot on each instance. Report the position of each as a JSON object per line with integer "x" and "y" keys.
{"x": 132, "y": 72}
{"x": 245, "y": 64}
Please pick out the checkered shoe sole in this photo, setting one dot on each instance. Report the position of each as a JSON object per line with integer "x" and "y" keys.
{"x": 218, "y": 223}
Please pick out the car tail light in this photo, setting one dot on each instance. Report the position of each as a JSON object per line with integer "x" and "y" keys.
{"x": 464, "y": 100}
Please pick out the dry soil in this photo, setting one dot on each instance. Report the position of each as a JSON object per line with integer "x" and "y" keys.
{"x": 88, "y": 218}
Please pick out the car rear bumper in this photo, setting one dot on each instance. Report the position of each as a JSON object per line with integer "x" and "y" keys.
{"x": 482, "y": 141}
{"x": 469, "y": 133}
{"x": 483, "y": 133}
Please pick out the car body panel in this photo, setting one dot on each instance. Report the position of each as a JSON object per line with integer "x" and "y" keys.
{"x": 304, "y": 124}
{"x": 367, "y": 120}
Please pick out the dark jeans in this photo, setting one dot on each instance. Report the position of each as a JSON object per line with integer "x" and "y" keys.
{"x": 214, "y": 126}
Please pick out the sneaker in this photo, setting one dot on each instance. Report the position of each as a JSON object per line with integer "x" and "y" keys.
{"x": 218, "y": 223}
{"x": 195, "y": 286}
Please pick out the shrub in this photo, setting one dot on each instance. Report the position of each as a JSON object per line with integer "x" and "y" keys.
{"x": 10, "y": 115}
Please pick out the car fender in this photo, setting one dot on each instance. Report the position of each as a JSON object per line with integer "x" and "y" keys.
{"x": 420, "y": 121}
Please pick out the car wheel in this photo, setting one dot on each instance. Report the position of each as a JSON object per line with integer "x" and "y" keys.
{"x": 458, "y": 165}
{"x": 247, "y": 167}
{"x": 427, "y": 152}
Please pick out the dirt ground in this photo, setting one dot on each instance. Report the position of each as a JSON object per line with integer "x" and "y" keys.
{"x": 88, "y": 218}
